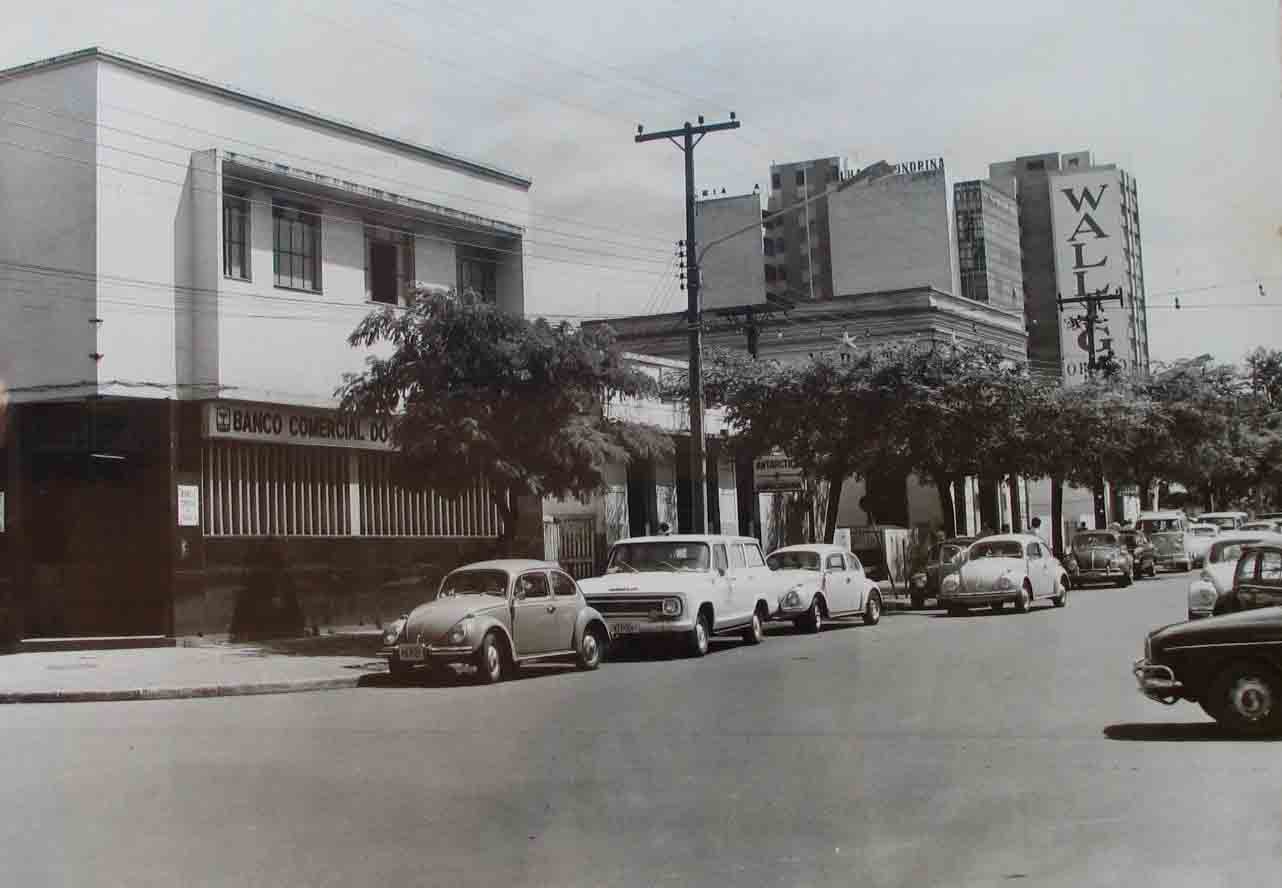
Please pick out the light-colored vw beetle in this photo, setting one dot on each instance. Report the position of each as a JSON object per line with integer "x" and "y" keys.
{"x": 496, "y": 615}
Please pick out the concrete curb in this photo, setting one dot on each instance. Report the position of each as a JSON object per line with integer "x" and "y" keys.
{"x": 187, "y": 693}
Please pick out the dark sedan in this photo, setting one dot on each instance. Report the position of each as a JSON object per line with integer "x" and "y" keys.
{"x": 943, "y": 558}
{"x": 1142, "y": 553}
{"x": 1100, "y": 556}
{"x": 1230, "y": 665}
{"x": 1257, "y": 579}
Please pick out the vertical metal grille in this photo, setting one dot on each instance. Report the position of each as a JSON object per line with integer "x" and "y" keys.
{"x": 391, "y": 509}
{"x": 273, "y": 490}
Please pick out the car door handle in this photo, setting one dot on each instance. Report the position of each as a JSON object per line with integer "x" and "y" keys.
{"x": 551, "y": 608}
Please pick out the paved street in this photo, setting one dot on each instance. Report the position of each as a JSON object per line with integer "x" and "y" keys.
{"x": 924, "y": 751}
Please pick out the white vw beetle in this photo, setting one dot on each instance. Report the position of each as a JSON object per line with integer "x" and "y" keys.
{"x": 1011, "y": 567}
{"x": 689, "y": 586}
{"x": 824, "y": 582}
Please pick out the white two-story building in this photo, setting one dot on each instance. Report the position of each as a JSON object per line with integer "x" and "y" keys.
{"x": 180, "y": 265}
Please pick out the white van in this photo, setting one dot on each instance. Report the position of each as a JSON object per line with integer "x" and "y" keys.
{"x": 1168, "y": 531}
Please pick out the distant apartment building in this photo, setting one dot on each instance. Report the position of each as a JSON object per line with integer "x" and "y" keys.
{"x": 1079, "y": 234}
{"x": 798, "y": 263}
{"x": 988, "y": 256}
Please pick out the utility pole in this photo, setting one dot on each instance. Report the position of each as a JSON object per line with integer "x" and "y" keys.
{"x": 698, "y": 446}
{"x": 1093, "y": 301}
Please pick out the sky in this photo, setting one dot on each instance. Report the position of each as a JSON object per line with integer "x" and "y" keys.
{"x": 1186, "y": 96}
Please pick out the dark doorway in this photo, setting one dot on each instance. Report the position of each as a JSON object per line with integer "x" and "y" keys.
{"x": 382, "y": 272}
{"x": 886, "y": 499}
{"x": 643, "y": 506}
{"x": 746, "y": 493}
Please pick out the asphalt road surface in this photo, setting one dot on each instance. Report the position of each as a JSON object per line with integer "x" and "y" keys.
{"x": 928, "y": 750}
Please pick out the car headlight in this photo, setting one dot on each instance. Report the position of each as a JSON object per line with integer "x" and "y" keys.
{"x": 950, "y": 583}
{"x": 393, "y": 631}
{"x": 1202, "y": 596}
{"x": 1115, "y": 563}
{"x": 1002, "y": 583}
{"x": 671, "y": 607}
{"x": 792, "y": 599}
{"x": 919, "y": 580}
{"x": 458, "y": 634}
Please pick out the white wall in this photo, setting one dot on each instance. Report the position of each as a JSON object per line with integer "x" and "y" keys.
{"x": 47, "y": 218}
{"x": 128, "y": 223}
{"x": 892, "y": 233}
{"x": 733, "y": 272}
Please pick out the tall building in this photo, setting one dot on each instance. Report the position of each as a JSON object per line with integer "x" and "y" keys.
{"x": 732, "y": 273}
{"x": 1079, "y": 235}
{"x": 797, "y": 245}
{"x": 988, "y": 254}
{"x": 891, "y": 229}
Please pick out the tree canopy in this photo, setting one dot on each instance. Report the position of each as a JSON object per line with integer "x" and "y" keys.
{"x": 479, "y": 394}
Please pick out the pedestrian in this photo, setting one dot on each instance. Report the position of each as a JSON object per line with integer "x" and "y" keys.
{"x": 1005, "y": 527}
{"x": 665, "y": 529}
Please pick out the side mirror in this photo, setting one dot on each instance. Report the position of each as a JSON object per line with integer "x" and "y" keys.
{"x": 721, "y": 571}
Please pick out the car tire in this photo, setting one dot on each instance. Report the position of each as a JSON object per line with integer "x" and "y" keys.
{"x": 956, "y": 610}
{"x": 997, "y": 607}
{"x": 592, "y": 647}
{"x": 755, "y": 632}
{"x": 813, "y": 620}
{"x": 700, "y": 637}
{"x": 1123, "y": 581}
{"x": 489, "y": 660}
{"x": 1247, "y": 699}
{"x": 918, "y": 602}
{"x": 1061, "y": 594}
{"x": 872, "y": 610}
{"x": 1022, "y": 599}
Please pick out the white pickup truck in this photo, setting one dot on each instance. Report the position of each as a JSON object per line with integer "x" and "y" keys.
{"x": 690, "y": 586}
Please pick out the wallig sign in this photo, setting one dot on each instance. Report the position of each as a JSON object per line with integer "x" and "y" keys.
{"x": 934, "y": 164}
{"x": 283, "y": 425}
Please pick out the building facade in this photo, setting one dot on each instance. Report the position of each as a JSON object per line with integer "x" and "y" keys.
{"x": 798, "y": 263}
{"x": 183, "y": 264}
{"x": 1079, "y": 233}
{"x": 988, "y": 255}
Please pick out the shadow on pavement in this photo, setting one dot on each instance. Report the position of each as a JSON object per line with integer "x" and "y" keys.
{"x": 1007, "y": 611}
{"x": 1167, "y": 732}
{"x": 352, "y": 645}
{"x": 450, "y": 677}
{"x": 784, "y": 630}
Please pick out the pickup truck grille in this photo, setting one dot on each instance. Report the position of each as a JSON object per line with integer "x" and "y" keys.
{"x": 626, "y": 605}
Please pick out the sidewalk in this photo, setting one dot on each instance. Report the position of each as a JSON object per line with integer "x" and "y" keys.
{"x": 195, "y": 668}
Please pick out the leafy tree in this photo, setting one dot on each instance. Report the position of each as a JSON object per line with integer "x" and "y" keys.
{"x": 478, "y": 393}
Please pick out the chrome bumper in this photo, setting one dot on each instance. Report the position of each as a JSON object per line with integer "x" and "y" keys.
{"x": 1157, "y": 682}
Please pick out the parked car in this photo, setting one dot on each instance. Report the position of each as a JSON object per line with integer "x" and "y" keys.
{"x": 1216, "y": 579}
{"x": 1168, "y": 532}
{"x": 687, "y": 586}
{"x": 1143, "y": 555}
{"x": 1016, "y": 568}
{"x": 1230, "y": 665}
{"x": 1201, "y": 535}
{"x": 1100, "y": 556}
{"x": 496, "y": 615}
{"x": 1263, "y": 525}
{"x": 1224, "y": 520}
{"x": 942, "y": 559}
{"x": 824, "y": 583}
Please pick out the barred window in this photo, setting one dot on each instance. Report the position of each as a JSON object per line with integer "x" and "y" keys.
{"x": 388, "y": 508}
{"x": 296, "y": 247}
{"x": 236, "y": 236}
{"x": 275, "y": 490}
{"x": 478, "y": 275}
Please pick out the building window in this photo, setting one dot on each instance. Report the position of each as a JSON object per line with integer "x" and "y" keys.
{"x": 389, "y": 265}
{"x": 775, "y": 182}
{"x": 770, "y": 274}
{"x": 1035, "y": 165}
{"x": 296, "y": 247}
{"x": 801, "y": 177}
{"x": 478, "y": 278}
{"x": 770, "y": 246}
{"x": 833, "y": 173}
{"x": 236, "y": 236}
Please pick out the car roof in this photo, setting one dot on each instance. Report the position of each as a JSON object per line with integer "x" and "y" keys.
{"x": 1222, "y": 515}
{"x": 1010, "y": 538}
{"x": 1248, "y": 536}
{"x": 689, "y": 538}
{"x": 510, "y": 565}
{"x": 822, "y": 548}
{"x": 1203, "y": 524}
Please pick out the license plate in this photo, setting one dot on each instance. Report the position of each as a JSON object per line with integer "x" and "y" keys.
{"x": 409, "y": 653}
{"x": 625, "y": 628}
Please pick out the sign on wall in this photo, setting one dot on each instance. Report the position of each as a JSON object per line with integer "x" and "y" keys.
{"x": 776, "y": 473}
{"x": 189, "y": 505}
{"x": 266, "y": 424}
{"x": 1086, "y": 211}
{"x": 933, "y": 164}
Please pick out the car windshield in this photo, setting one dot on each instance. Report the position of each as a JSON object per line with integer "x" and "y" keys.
{"x": 1167, "y": 542}
{"x": 1085, "y": 540}
{"x": 659, "y": 555}
{"x": 1258, "y": 525}
{"x": 997, "y": 549}
{"x": 475, "y": 582}
{"x": 1220, "y": 520}
{"x": 1205, "y": 531}
{"x": 794, "y": 560}
{"x": 1160, "y": 525}
{"x": 1230, "y": 550}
